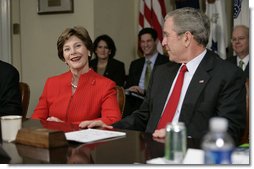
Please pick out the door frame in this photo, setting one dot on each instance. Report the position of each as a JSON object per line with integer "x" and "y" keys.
{"x": 5, "y": 31}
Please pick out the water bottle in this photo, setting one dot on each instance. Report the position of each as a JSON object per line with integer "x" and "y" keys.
{"x": 218, "y": 144}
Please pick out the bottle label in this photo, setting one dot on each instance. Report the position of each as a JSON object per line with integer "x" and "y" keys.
{"x": 218, "y": 157}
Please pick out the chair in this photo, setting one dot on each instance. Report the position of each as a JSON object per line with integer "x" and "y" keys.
{"x": 245, "y": 137}
{"x": 120, "y": 94}
{"x": 25, "y": 97}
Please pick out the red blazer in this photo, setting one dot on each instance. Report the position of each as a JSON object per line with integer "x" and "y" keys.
{"x": 94, "y": 99}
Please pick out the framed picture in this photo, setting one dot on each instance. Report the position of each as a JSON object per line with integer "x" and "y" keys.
{"x": 55, "y": 6}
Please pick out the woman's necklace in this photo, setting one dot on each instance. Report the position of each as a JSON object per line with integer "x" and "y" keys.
{"x": 73, "y": 85}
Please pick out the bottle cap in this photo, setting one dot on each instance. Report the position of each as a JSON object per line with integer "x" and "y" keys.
{"x": 218, "y": 124}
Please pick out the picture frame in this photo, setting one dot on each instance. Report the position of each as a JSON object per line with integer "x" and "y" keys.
{"x": 55, "y": 6}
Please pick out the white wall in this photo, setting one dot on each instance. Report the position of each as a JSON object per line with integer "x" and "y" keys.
{"x": 118, "y": 19}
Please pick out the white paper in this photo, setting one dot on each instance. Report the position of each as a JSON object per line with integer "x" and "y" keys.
{"x": 90, "y": 135}
{"x": 197, "y": 154}
{"x": 160, "y": 160}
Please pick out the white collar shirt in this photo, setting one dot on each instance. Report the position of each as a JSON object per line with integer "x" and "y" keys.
{"x": 191, "y": 66}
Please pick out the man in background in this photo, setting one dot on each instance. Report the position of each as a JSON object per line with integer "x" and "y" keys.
{"x": 141, "y": 69}
{"x": 240, "y": 44}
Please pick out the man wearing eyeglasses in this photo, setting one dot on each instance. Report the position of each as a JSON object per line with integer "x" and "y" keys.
{"x": 240, "y": 44}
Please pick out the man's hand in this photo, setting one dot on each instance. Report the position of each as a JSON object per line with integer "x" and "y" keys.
{"x": 136, "y": 89}
{"x": 161, "y": 133}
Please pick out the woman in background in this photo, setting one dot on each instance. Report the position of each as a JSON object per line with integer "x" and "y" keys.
{"x": 104, "y": 63}
{"x": 78, "y": 96}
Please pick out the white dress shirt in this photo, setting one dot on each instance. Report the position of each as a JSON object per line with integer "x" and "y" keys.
{"x": 191, "y": 66}
{"x": 142, "y": 78}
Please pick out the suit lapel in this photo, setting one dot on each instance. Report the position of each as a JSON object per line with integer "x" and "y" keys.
{"x": 160, "y": 94}
{"x": 169, "y": 78}
{"x": 197, "y": 84}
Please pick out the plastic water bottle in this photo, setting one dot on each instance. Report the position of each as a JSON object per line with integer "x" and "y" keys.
{"x": 218, "y": 144}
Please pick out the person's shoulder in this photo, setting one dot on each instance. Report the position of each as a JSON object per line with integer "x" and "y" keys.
{"x": 221, "y": 65}
{"x": 162, "y": 58}
{"x": 168, "y": 65}
{"x": 59, "y": 76}
{"x": 93, "y": 62}
{"x": 100, "y": 78}
{"x": 231, "y": 59}
{"x": 115, "y": 61}
{"x": 4, "y": 66}
{"x": 138, "y": 60}
{"x": 220, "y": 61}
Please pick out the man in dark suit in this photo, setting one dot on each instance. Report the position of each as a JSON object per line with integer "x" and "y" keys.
{"x": 10, "y": 97}
{"x": 212, "y": 87}
{"x": 240, "y": 44}
{"x": 136, "y": 81}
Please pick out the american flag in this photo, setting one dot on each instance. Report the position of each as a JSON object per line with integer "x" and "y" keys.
{"x": 218, "y": 40}
{"x": 151, "y": 14}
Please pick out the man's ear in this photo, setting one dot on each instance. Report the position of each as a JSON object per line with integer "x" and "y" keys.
{"x": 187, "y": 37}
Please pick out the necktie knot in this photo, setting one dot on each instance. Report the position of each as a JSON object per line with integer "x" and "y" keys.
{"x": 148, "y": 62}
{"x": 183, "y": 69}
{"x": 241, "y": 63}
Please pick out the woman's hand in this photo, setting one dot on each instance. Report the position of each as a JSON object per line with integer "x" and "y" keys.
{"x": 55, "y": 119}
{"x": 93, "y": 124}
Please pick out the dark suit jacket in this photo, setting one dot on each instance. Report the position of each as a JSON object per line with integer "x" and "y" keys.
{"x": 115, "y": 70}
{"x": 10, "y": 97}
{"x": 136, "y": 68}
{"x": 233, "y": 60}
{"x": 216, "y": 89}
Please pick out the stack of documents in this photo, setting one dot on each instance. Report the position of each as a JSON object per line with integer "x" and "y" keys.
{"x": 91, "y": 135}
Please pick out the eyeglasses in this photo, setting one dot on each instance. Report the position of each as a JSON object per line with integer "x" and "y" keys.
{"x": 241, "y": 38}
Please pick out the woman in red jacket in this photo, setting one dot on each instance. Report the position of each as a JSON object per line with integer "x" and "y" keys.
{"x": 78, "y": 96}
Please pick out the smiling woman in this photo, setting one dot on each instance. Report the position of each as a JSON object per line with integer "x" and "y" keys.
{"x": 79, "y": 96}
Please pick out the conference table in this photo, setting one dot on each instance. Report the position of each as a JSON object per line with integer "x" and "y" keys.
{"x": 134, "y": 148}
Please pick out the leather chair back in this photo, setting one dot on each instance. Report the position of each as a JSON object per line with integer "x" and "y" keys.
{"x": 120, "y": 93}
{"x": 245, "y": 137}
{"x": 25, "y": 97}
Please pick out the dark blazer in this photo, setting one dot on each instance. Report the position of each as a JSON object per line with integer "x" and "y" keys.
{"x": 136, "y": 68}
{"x": 216, "y": 89}
{"x": 10, "y": 97}
{"x": 233, "y": 60}
{"x": 115, "y": 70}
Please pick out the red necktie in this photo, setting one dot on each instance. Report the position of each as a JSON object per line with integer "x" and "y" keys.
{"x": 171, "y": 106}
